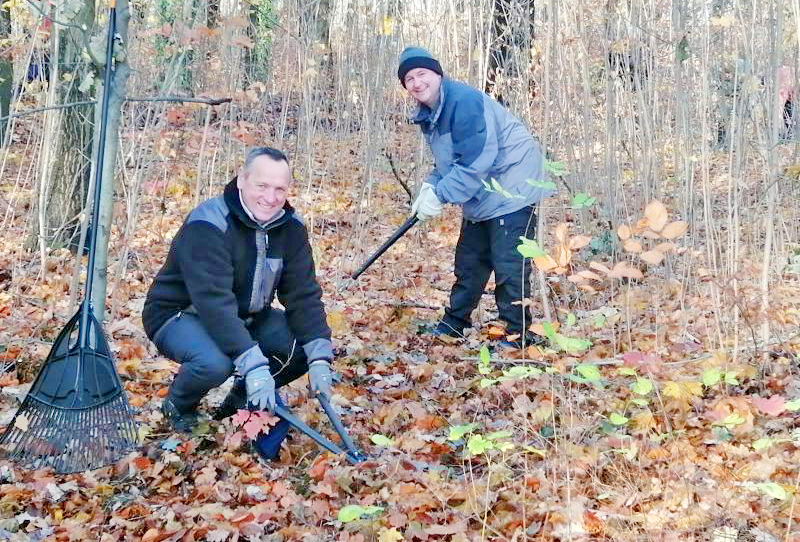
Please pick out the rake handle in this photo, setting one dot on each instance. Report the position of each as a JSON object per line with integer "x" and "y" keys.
{"x": 407, "y": 225}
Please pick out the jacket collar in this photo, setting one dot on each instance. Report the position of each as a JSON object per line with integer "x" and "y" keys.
{"x": 424, "y": 114}
{"x": 234, "y": 203}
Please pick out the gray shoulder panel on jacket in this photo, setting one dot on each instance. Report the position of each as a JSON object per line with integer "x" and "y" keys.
{"x": 299, "y": 218}
{"x": 213, "y": 210}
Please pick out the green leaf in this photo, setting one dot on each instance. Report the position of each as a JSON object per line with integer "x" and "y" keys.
{"x": 486, "y": 382}
{"x": 730, "y": 378}
{"x": 546, "y": 185}
{"x": 627, "y": 371}
{"x": 477, "y": 444}
{"x": 533, "y": 450}
{"x": 522, "y": 371}
{"x": 530, "y": 249}
{"x": 555, "y": 168}
{"x": 582, "y": 200}
{"x": 642, "y": 386}
{"x": 571, "y": 320}
{"x": 763, "y": 444}
{"x": 381, "y": 440}
{"x": 549, "y": 331}
{"x": 352, "y": 512}
{"x": 617, "y": 419}
{"x": 792, "y": 406}
{"x": 458, "y": 431}
{"x": 505, "y": 433}
{"x": 485, "y": 355}
{"x": 588, "y": 371}
{"x": 772, "y": 489}
{"x": 572, "y": 344}
{"x": 732, "y": 420}
{"x": 711, "y": 377}
{"x": 640, "y": 402}
{"x": 599, "y": 320}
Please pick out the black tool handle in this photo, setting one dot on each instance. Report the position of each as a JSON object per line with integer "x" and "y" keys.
{"x": 407, "y": 225}
{"x": 339, "y": 426}
{"x": 318, "y": 438}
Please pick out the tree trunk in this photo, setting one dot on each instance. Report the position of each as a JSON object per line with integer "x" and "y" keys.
{"x": 6, "y": 71}
{"x": 66, "y": 175}
{"x": 117, "y": 91}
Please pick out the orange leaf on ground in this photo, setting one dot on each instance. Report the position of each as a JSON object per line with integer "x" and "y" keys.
{"x": 162, "y": 392}
{"x": 496, "y": 332}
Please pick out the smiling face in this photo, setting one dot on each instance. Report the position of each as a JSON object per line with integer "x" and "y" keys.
{"x": 423, "y": 85}
{"x": 264, "y": 186}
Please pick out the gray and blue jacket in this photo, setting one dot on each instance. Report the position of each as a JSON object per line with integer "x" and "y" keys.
{"x": 475, "y": 139}
{"x": 226, "y": 268}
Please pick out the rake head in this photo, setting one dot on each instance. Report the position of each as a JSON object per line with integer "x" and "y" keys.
{"x": 76, "y": 416}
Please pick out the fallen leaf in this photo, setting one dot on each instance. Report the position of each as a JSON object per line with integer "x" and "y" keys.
{"x": 773, "y": 406}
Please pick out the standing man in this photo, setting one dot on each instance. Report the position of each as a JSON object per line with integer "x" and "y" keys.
{"x": 209, "y": 307}
{"x": 476, "y": 141}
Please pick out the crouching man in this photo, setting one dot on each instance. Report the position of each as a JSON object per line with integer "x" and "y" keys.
{"x": 209, "y": 307}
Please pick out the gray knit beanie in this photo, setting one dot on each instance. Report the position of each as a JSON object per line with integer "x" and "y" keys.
{"x": 416, "y": 57}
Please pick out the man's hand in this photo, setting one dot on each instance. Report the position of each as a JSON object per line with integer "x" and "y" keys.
{"x": 261, "y": 388}
{"x": 319, "y": 378}
{"x": 427, "y": 205}
{"x": 254, "y": 366}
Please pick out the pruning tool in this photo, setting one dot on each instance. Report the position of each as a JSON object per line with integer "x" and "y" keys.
{"x": 351, "y": 452}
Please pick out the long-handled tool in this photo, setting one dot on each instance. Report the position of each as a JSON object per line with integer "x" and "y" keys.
{"x": 76, "y": 416}
{"x": 407, "y": 225}
{"x": 352, "y": 453}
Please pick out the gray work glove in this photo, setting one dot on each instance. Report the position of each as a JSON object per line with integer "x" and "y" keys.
{"x": 260, "y": 385}
{"x": 427, "y": 204}
{"x": 320, "y": 379}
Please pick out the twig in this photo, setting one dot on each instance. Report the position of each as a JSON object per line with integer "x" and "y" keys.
{"x": 397, "y": 174}
{"x": 208, "y": 101}
{"x": 49, "y": 108}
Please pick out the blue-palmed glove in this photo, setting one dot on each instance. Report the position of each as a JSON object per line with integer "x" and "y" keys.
{"x": 319, "y": 378}
{"x": 427, "y": 204}
{"x": 260, "y": 385}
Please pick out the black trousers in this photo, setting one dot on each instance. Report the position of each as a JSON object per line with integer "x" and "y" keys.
{"x": 486, "y": 247}
{"x": 204, "y": 366}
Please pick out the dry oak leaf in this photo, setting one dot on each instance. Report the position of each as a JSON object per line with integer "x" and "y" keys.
{"x": 652, "y": 257}
{"x": 656, "y": 215}
{"x": 625, "y": 270}
{"x": 665, "y": 247}
{"x": 560, "y": 232}
{"x": 673, "y": 230}
{"x": 624, "y": 232}
{"x": 599, "y": 267}
{"x": 579, "y": 241}
{"x": 632, "y": 246}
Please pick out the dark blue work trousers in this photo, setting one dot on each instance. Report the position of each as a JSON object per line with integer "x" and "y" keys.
{"x": 486, "y": 247}
{"x": 204, "y": 366}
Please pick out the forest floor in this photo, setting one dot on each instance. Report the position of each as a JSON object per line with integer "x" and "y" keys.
{"x": 649, "y": 415}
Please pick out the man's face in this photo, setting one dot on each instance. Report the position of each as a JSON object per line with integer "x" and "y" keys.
{"x": 264, "y": 186}
{"x": 423, "y": 85}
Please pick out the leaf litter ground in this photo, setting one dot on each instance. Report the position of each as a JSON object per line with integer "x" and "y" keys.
{"x": 645, "y": 416}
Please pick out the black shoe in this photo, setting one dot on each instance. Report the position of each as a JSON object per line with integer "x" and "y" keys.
{"x": 446, "y": 330}
{"x": 531, "y": 339}
{"x": 180, "y": 422}
{"x": 234, "y": 401}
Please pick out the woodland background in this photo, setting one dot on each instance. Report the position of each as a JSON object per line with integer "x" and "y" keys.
{"x": 663, "y": 406}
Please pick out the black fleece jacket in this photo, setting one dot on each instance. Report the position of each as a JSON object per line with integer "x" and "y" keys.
{"x": 226, "y": 268}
